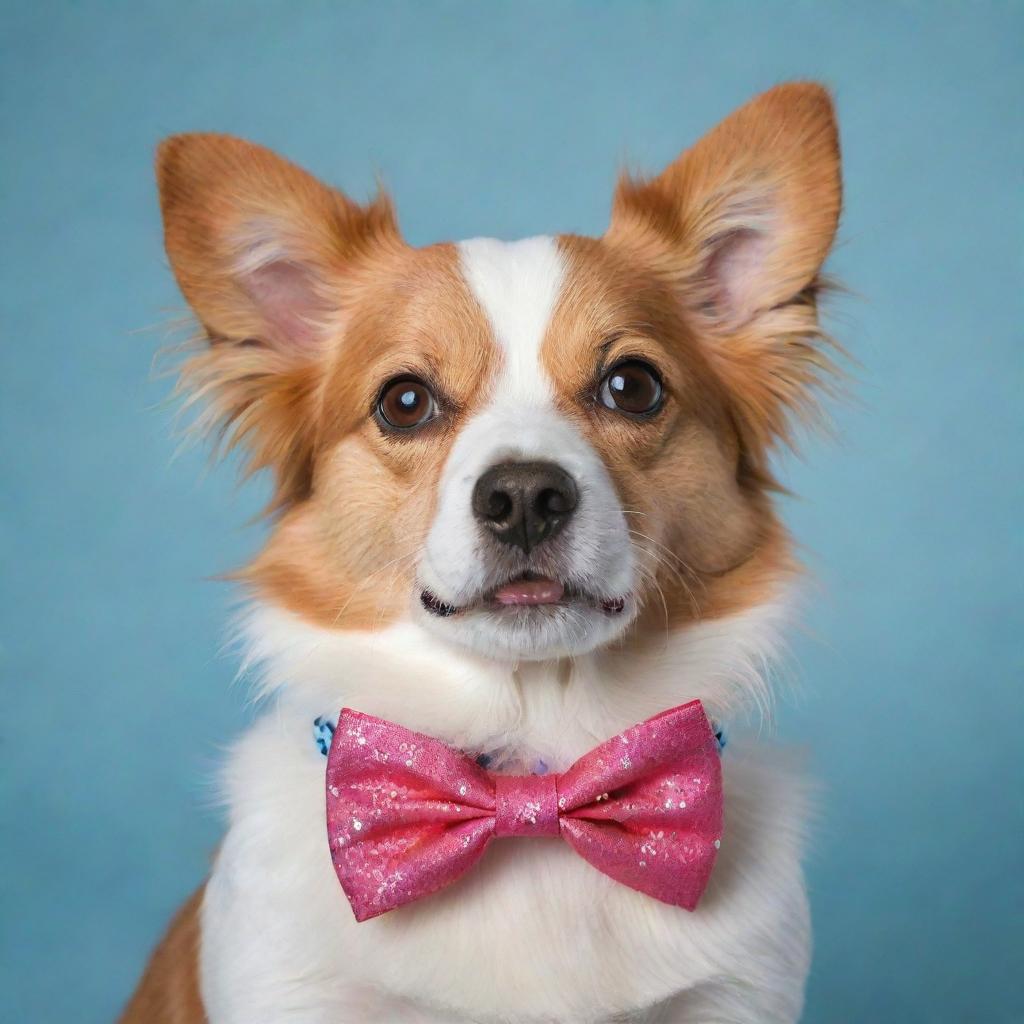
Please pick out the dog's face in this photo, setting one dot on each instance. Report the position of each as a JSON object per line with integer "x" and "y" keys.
{"x": 535, "y": 448}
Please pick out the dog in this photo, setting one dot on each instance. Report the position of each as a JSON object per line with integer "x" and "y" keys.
{"x": 522, "y": 500}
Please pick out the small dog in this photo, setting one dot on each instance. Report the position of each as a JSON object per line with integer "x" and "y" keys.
{"x": 522, "y": 501}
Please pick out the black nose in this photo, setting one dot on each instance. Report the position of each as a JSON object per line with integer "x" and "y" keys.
{"x": 524, "y": 503}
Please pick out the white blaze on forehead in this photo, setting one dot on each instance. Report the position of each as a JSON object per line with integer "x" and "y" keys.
{"x": 517, "y": 285}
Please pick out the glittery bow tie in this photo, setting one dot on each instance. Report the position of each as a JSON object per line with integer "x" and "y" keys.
{"x": 407, "y": 815}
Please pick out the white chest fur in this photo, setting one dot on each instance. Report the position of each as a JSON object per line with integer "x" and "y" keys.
{"x": 533, "y": 934}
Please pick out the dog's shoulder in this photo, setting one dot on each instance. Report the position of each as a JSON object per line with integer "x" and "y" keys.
{"x": 169, "y": 990}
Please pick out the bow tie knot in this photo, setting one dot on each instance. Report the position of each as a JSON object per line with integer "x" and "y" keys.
{"x": 407, "y": 815}
{"x": 526, "y": 805}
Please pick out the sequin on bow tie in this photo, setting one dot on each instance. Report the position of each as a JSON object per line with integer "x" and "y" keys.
{"x": 407, "y": 815}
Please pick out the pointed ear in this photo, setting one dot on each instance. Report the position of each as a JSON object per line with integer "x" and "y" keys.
{"x": 750, "y": 211}
{"x": 266, "y": 256}
{"x": 740, "y": 225}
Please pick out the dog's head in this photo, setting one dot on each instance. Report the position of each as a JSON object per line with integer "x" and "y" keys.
{"x": 535, "y": 448}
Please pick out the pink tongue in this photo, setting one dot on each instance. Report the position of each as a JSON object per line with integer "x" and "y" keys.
{"x": 530, "y": 592}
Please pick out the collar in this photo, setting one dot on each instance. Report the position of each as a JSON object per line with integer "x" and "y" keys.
{"x": 501, "y": 760}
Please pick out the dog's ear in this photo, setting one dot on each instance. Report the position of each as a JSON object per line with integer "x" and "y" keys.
{"x": 269, "y": 259}
{"x": 740, "y": 225}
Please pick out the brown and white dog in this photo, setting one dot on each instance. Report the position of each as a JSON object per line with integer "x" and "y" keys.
{"x": 522, "y": 501}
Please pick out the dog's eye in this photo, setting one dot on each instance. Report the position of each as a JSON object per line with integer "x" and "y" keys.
{"x": 632, "y": 387}
{"x": 406, "y": 403}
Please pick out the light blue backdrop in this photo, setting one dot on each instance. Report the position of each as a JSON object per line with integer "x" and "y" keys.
{"x": 509, "y": 120}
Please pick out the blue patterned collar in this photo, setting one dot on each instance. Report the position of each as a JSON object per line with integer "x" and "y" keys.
{"x": 323, "y": 732}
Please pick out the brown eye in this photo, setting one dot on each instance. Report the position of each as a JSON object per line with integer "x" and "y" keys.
{"x": 405, "y": 404}
{"x": 632, "y": 387}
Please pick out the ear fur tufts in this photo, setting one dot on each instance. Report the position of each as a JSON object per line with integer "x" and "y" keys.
{"x": 739, "y": 227}
{"x": 267, "y": 257}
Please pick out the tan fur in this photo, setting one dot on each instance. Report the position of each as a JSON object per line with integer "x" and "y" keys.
{"x": 356, "y": 502}
{"x": 343, "y": 557}
{"x": 169, "y": 990}
{"x": 771, "y": 167}
{"x": 677, "y": 475}
{"x": 223, "y": 198}
{"x": 297, "y": 382}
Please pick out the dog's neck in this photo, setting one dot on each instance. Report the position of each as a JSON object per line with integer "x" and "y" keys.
{"x": 552, "y": 709}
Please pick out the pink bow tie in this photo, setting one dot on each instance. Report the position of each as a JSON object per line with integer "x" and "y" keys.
{"x": 407, "y": 815}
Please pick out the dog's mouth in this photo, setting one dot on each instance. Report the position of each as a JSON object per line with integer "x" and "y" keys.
{"x": 527, "y": 591}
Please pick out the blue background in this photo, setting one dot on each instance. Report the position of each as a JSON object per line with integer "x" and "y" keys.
{"x": 510, "y": 120}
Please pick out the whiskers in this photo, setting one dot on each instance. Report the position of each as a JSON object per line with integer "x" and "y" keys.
{"x": 396, "y": 565}
{"x": 659, "y": 559}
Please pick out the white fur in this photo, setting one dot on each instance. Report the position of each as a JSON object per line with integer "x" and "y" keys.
{"x": 533, "y": 935}
{"x": 517, "y": 285}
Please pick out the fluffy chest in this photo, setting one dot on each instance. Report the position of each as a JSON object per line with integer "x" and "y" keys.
{"x": 500, "y": 941}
